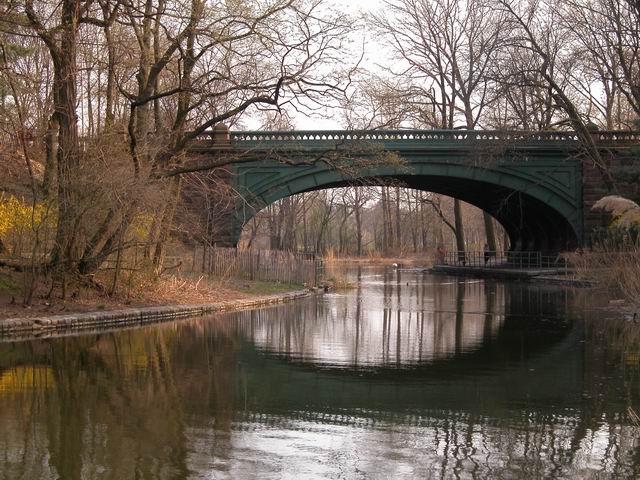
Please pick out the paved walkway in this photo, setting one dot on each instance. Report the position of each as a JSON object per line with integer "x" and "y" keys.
{"x": 498, "y": 272}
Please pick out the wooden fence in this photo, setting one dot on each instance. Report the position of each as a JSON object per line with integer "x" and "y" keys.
{"x": 266, "y": 265}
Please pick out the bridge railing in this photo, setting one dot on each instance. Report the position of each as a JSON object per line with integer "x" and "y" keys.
{"x": 399, "y": 135}
{"x": 302, "y": 136}
{"x": 517, "y": 260}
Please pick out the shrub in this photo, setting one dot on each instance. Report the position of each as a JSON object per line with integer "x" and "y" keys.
{"x": 20, "y": 222}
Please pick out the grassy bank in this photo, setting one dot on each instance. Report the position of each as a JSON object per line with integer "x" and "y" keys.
{"x": 260, "y": 287}
{"x": 145, "y": 290}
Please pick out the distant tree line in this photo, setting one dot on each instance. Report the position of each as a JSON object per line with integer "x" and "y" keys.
{"x": 365, "y": 221}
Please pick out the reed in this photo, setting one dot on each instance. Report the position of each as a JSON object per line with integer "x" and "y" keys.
{"x": 262, "y": 265}
{"x": 633, "y": 416}
{"x": 617, "y": 271}
{"x": 336, "y": 276}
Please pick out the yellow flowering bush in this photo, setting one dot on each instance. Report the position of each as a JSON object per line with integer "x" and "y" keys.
{"x": 18, "y": 218}
{"x": 141, "y": 226}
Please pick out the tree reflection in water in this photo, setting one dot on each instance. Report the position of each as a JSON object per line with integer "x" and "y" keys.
{"x": 405, "y": 376}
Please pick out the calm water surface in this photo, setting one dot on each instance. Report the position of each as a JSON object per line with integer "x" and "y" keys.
{"x": 414, "y": 376}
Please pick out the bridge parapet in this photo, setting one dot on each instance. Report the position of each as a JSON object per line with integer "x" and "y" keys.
{"x": 320, "y": 138}
{"x": 617, "y": 135}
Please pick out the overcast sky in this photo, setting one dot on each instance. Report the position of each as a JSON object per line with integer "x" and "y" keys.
{"x": 372, "y": 55}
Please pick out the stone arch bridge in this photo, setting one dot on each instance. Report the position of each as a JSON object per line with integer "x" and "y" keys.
{"x": 535, "y": 184}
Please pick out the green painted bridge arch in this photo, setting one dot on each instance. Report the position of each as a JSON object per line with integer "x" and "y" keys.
{"x": 532, "y": 183}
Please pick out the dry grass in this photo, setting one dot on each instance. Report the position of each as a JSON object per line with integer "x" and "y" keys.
{"x": 615, "y": 205}
{"x": 376, "y": 258}
{"x": 618, "y": 272}
{"x": 633, "y": 416}
{"x": 176, "y": 289}
{"x": 15, "y": 175}
{"x": 141, "y": 289}
{"x": 340, "y": 283}
{"x": 336, "y": 276}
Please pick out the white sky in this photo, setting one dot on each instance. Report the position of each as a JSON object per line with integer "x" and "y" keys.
{"x": 372, "y": 50}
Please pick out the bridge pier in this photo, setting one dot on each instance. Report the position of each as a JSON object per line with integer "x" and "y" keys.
{"x": 625, "y": 169}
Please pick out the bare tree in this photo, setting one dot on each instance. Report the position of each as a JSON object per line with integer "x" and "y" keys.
{"x": 536, "y": 28}
{"x": 166, "y": 71}
{"x": 606, "y": 34}
{"x": 446, "y": 49}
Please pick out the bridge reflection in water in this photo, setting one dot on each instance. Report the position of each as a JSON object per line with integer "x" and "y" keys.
{"x": 389, "y": 320}
{"x": 410, "y": 376}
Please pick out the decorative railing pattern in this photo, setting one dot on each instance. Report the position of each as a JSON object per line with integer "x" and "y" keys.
{"x": 618, "y": 136}
{"x": 345, "y": 136}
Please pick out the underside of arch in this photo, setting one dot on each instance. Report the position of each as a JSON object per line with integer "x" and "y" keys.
{"x": 536, "y": 213}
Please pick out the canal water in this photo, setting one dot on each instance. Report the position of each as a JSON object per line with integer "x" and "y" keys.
{"x": 405, "y": 376}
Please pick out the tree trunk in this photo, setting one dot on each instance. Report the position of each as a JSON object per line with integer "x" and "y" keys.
{"x": 423, "y": 223}
{"x": 398, "y": 220}
{"x": 342, "y": 248}
{"x": 305, "y": 239}
{"x": 391, "y": 236}
{"x": 358, "y": 215}
{"x": 385, "y": 223}
{"x": 490, "y": 231}
{"x": 68, "y": 155}
{"x": 167, "y": 221}
{"x": 457, "y": 211}
{"x": 111, "y": 79}
{"x": 49, "y": 183}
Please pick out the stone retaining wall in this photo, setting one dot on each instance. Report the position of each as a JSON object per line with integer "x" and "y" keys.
{"x": 134, "y": 316}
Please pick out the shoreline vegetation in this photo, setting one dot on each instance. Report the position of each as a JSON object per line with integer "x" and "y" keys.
{"x": 24, "y": 328}
{"x": 617, "y": 272}
{"x": 614, "y": 272}
{"x": 148, "y": 291}
{"x": 413, "y": 259}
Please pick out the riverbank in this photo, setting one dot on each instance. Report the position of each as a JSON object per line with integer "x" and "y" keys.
{"x": 146, "y": 292}
{"x": 627, "y": 307}
{"x": 537, "y": 275}
{"x": 497, "y": 272}
{"x": 10, "y": 327}
{"x": 413, "y": 259}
